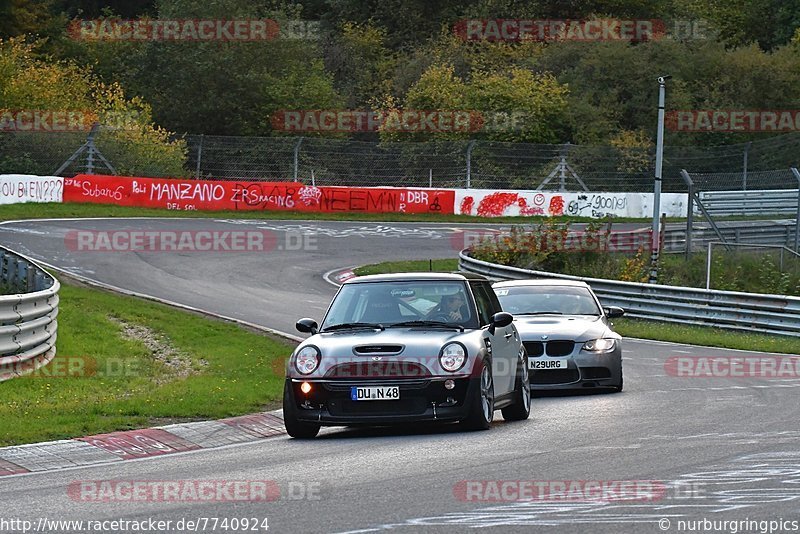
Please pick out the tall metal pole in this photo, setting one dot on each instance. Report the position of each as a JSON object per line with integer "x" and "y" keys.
{"x": 656, "y": 241}
{"x": 470, "y": 146}
{"x": 296, "y": 163}
{"x": 797, "y": 218}
{"x": 199, "y": 158}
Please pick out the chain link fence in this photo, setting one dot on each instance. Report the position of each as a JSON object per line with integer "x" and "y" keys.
{"x": 467, "y": 163}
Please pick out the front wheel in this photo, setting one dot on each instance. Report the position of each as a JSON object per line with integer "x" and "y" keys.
{"x": 294, "y": 427}
{"x": 481, "y": 408}
{"x": 521, "y": 409}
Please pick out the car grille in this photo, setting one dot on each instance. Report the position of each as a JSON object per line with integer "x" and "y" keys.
{"x": 554, "y": 376}
{"x": 408, "y": 406}
{"x": 383, "y": 369}
{"x": 378, "y": 349}
{"x": 552, "y": 348}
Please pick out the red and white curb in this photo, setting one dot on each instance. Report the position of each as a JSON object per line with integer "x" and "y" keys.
{"x": 135, "y": 444}
{"x": 339, "y": 276}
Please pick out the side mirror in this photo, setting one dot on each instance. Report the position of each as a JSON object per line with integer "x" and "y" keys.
{"x": 307, "y": 326}
{"x": 612, "y": 312}
{"x": 500, "y": 320}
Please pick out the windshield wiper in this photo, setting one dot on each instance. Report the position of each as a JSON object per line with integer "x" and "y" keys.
{"x": 541, "y": 313}
{"x": 434, "y": 324}
{"x": 344, "y": 326}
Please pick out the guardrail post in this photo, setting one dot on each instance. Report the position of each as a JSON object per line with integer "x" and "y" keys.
{"x": 704, "y": 211}
{"x": 797, "y": 218}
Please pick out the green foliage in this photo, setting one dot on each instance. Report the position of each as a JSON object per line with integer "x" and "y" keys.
{"x": 361, "y": 63}
{"x": 550, "y": 247}
{"x": 529, "y": 106}
{"x": 396, "y": 54}
{"x": 29, "y": 81}
{"x": 235, "y": 372}
{"x": 216, "y": 87}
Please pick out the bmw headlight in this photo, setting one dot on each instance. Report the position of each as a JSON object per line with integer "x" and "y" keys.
{"x": 606, "y": 344}
{"x": 307, "y": 359}
{"x": 453, "y": 357}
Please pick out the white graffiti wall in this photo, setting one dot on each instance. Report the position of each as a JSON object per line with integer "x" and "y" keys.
{"x": 493, "y": 203}
{"x": 19, "y": 188}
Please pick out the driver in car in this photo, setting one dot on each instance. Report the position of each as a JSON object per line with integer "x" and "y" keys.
{"x": 450, "y": 307}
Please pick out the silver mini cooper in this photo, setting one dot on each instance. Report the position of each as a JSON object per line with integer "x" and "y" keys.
{"x": 400, "y": 348}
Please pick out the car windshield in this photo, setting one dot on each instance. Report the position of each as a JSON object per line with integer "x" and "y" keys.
{"x": 541, "y": 300}
{"x": 395, "y": 302}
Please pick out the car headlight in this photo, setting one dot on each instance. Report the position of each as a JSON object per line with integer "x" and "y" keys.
{"x": 307, "y": 360}
{"x": 453, "y": 357}
{"x": 600, "y": 345}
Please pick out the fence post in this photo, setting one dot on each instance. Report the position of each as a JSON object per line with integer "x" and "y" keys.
{"x": 797, "y": 218}
{"x": 297, "y": 157}
{"x": 744, "y": 165}
{"x": 689, "y": 216}
{"x": 470, "y": 146}
{"x": 199, "y": 157}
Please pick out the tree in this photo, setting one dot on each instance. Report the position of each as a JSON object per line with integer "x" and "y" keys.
{"x": 134, "y": 145}
{"x": 517, "y": 105}
{"x": 218, "y": 87}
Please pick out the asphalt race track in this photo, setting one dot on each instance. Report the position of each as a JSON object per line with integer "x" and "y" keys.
{"x": 720, "y": 449}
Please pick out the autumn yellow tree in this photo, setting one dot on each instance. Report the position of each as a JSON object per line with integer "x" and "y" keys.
{"x": 128, "y": 138}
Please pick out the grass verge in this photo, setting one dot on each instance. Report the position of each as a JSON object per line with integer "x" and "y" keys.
{"x": 126, "y": 363}
{"x": 691, "y": 334}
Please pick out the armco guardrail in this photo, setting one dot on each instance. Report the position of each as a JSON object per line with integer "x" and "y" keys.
{"x": 28, "y": 310}
{"x": 756, "y": 202}
{"x": 778, "y": 232}
{"x": 747, "y": 312}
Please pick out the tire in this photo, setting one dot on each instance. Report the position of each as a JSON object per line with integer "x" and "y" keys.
{"x": 481, "y": 402}
{"x": 521, "y": 409}
{"x": 294, "y": 427}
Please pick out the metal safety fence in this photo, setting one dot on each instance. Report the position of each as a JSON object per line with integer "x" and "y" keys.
{"x": 475, "y": 163}
{"x": 730, "y": 310}
{"x": 28, "y": 311}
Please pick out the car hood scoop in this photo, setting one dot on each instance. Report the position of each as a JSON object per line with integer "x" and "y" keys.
{"x": 378, "y": 349}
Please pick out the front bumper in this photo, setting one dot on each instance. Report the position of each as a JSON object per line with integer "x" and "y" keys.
{"x": 329, "y": 403}
{"x": 584, "y": 370}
